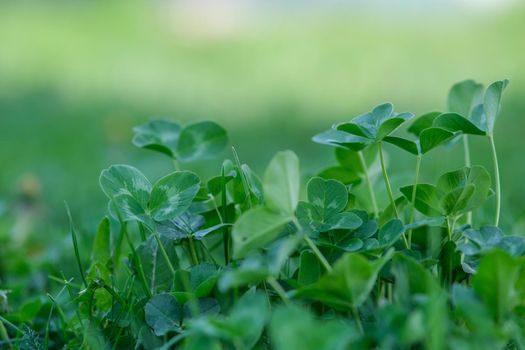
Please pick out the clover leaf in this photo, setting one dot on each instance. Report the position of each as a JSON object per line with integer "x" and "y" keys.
{"x": 136, "y": 199}
{"x": 197, "y": 141}
{"x": 456, "y": 192}
{"x": 324, "y": 210}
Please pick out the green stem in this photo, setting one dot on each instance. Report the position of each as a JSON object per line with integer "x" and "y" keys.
{"x": 317, "y": 252}
{"x": 369, "y": 184}
{"x": 357, "y": 319}
{"x": 451, "y": 222}
{"x": 75, "y": 244}
{"x": 387, "y": 182}
{"x": 224, "y": 219}
{"x": 142, "y": 231}
{"x": 164, "y": 253}
{"x": 277, "y": 287}
{"x": 466, "y": 151}
{"x": 136, "y": 258}
{"x": 176, "y": 164}
{"x": 193, "y": 252}
{"x": 496, "y": 179}
{"x": 413, "y": 199}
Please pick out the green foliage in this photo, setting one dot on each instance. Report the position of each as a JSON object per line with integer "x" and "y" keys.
{"x": 236, "y": 262}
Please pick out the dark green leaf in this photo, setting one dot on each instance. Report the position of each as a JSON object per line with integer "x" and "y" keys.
{"x": 202, "y": 140}
{"x": 163, "y": 314}
{"x": 158, "y": 135}
{"x": 309, "y": 268}
{"x": 390, "y": 232}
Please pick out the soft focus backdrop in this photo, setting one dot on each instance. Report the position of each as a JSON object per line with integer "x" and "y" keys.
{"x": 75, "y": 76}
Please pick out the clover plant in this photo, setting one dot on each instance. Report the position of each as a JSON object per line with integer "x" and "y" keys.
{"x": 242, "y": 261}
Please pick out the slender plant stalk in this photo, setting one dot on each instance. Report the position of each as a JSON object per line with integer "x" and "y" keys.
{"x": 176, "y": 164}
{"x": 224, "y": 219}
{"x": 136, "y": 258}
{"x": 244, "y": 181}
{"x": 355, "y": 315}
{"x": 387, "y": 181}
{"x": 451, "y": 222}
{"x": 142, "y": 231}
{"x": 466, "y": 150}
{"x": 62, "y": 317}
{"x": 314, "y": 248}
{"x": 164, "y": 253}
{"x": 496, "y": 179}
{"x": 193, "y": 252}
{"x": 318, "y": 253}
{"x": 413, "y": 200}
{"x": 369, "y": 184}
{"x": 48, "y": 324}
{"x": 279, "y": 289}
{"x": 75, "y": 244}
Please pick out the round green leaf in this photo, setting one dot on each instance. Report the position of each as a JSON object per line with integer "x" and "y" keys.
{"x": 255, "y": 228}
{"x": 158, "y": 135}
{"x": 202, "y": 140}
{"x": 492, "y": 102}
{"x": 281, "y": 183}
{"x": 163, "y": 314}
{"x": 456, "y": 122}
{"x": 172, "y": 195}
{"x": 125, "y": 179}
{"x": 463, "y": 96}
{"x": 329, "y": 196}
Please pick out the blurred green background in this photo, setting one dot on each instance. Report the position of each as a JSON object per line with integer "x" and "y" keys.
{"x": 75, "y": 76}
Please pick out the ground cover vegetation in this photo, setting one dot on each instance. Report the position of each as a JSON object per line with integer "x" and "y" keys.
{"x": 242, "y": 261}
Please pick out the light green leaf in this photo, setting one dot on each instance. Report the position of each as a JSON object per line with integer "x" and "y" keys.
{"x": 296, "y": 328}
{"x": 456, "y": 122}
{"x": 433, "y": 137}
{"x": 349, "y": 284}
{"x": 492, "y": 102}
{"x": 339, "y": 138}
{"x": 463, "y": 96}
{"x": 281, "y": 183}
{"x": 495, "y": 283}
{"x": 101, "y": 249}
{"x": 423, "y": 122}
{"x": 256, "y": 228}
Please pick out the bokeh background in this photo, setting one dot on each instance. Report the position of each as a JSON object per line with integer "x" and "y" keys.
{"x": 76, "y": 76}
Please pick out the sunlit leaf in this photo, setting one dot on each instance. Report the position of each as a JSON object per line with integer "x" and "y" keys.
{"x": 281, "y": 183}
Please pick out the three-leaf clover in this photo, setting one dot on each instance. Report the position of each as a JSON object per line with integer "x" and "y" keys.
{"x": 324, "y": 210}
{"x": 455, "y": 193}
{"x": 136, "y": 199}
